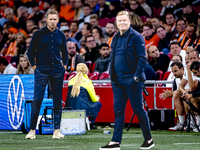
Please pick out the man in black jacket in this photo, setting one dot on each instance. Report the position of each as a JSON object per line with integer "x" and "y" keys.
{"x": 102, "y": 12}
{"x": 92, "y": 49}
{"x": 102, "y": 63}
{"x": 164, "y": 41}
{"x": 159, "y": 61}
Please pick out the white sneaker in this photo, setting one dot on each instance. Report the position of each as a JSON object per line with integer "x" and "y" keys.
{"x": 178, "y": 127}
{"x": 57, "y": 134}
{"x": 195, "y": 129}
{"x": 31, "y": 135}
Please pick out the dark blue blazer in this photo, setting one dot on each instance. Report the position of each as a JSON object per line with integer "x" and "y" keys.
{"x": 134, "y": 53}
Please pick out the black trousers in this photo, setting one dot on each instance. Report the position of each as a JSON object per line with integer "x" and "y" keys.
{"x": 41, "y": 80}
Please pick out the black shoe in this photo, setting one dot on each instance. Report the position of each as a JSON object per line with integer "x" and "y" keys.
{"x": 110, "y": 147}
{"x": 92, "y": 127}
{"x": 147, "y": 145}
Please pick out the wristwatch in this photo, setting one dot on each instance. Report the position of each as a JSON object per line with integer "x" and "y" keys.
{"x": 136, "y": 79}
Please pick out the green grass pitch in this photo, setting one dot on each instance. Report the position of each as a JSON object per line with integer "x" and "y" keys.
{"x": 93, "y": 139}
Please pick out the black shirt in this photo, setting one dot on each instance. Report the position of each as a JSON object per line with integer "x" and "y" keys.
{"x": 49, "y": 46}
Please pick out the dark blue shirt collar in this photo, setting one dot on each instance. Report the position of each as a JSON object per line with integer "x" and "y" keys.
{"x": 124, "y": 34}
{"x": 48, "y": 31}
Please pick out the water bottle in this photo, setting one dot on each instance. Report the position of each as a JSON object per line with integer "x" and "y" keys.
{"x": 106, "y": 132}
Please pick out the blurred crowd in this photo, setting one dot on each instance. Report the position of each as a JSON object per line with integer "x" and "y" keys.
{"x": 171, "y": 28}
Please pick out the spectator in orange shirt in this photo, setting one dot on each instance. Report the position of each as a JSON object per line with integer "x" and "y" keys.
{"x": 18, "y": 46}
{"x": 189, "y": 37}
{"x": 151, "y": 37}
{"x": 67, "y": 11}
{"x": 11, "y": 39}
{"x": 110, "y": 32}
{"x": 74, "y": 30}
{"x": 196, "y": 43}
{"x": 3, "y": 6}
{"x": 181, "y": 30}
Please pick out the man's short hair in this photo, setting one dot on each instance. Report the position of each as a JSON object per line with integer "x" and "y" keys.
{"x": 75, "y": 22}
{"x": 28, "y": 21}
{"x": 88, "y": 37}
{"x": 179, "y": 64}
{"x": 134, "y": 1}
{"x": 63, "y": 20}
{"x": 52, "y": 12}
{"x": 94, "y": 16}
{"x": 160, "y": 27}
{"x": 3, "y": 61}
{"x": 178, "y": 56}
{"x": 123, "y": 12}
{"x": 147, "y": 24}
{"x": 43, "y": 22}
{"x": 170, "y": 13}
{"x": 111, "y": 23}
{"x": 174, "y": 43}
{"x": 193, "y": 25}
{"x": 195, "y": 52}
{"x": 89, "y": 25}
{"x": 195, "y": 65}
{"x": 180, "y": 19}
{"x": 103, "y": 45}
{"x": 149, "y": 48}
{"x": 86, "y": 5}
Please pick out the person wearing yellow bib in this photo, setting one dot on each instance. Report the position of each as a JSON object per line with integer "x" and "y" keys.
{"x": 81, "y": 94}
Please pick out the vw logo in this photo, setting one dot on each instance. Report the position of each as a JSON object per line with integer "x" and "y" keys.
{"x": 14, "y": 102}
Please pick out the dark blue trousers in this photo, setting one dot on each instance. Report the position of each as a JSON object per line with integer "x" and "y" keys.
{"x": 123, "y": 90}
{"x": 55, "y": 76}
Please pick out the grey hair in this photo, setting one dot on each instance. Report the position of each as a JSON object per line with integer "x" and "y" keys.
{"x": 8, "y": 9}
{"x": 23, "y": 7}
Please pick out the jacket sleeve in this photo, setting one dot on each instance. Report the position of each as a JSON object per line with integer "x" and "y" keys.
{"x": 64, "y": 51}
{"x": 141, "y": 56}
{"x": 32, "y": 48}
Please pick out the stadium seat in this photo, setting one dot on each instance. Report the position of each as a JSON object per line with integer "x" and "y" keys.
{"x": 14, "y": 64}
{"x": 159, "y": 74}
{"x": 94, "y": 75}
{"x": 197, "y": 10}
{"x": 71, "y": 75}
{"x": 170, "y": 55}
{"x": 65, "y": 75}
{"x": 165, "y": 76}
{"x": 113, "y": 19}
{"x": 143, "y": 18}
{"x": 93, "y": 67}
{"x": 104, "y": 75}
{"x": 104, "y": 21}
{"x": 8, "y": 58}
{"x": 89, "y": 65}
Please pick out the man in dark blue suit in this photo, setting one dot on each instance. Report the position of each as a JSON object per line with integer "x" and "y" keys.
{"x": 128, "y": 61}
{"x": 47, "y": 45}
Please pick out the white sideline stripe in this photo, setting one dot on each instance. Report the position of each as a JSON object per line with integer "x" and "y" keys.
{"x": 185, "y": 143}
{"x": 52, "y": 147}
{"x": 11, "y": 132}
{"x": 127, "y": 145}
